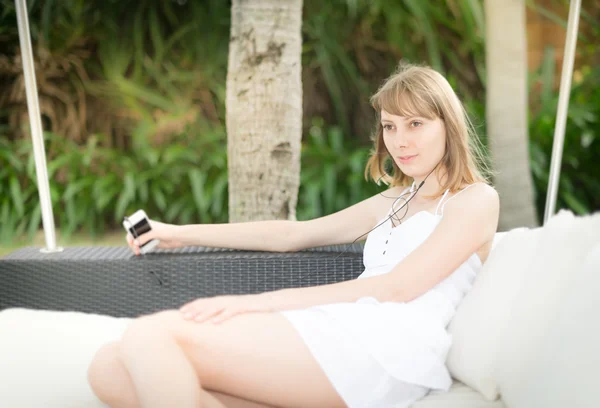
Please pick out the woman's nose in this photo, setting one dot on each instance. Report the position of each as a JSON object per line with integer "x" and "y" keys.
{"x": 400, "y": 139}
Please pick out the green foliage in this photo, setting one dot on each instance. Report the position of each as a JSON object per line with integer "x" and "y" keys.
{"x": 352, "y": 45}
{"x": 149, "y": 56}
{"x": 332, "y": 173}
{"x": 160, "y": 67}
{"x": 579, "y": 184}
{"x": 17, "y": 189}
{"x": 94, "y": 187}
{"x": 59, "y": 25}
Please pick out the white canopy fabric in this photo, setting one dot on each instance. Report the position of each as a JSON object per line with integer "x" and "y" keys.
{"x": 40, "y": 155}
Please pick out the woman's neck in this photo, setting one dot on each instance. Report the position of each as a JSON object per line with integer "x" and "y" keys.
{"x": 431, "y": 187}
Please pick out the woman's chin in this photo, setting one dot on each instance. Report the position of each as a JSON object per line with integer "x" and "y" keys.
{"x": 413, "y": 170}
{"x": 408, "y": 169}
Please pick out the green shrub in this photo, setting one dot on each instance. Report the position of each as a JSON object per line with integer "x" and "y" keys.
{"x": 579, "y": 185}
{"x": 332, "y": 172}
{"x": 92, "y": 188}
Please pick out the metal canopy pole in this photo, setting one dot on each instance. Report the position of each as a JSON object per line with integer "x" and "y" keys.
{"x": 563, "y": 105}
{"x": 33, "y": 106}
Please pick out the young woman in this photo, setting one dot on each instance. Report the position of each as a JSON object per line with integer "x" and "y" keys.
{"x": 376, "y": 341}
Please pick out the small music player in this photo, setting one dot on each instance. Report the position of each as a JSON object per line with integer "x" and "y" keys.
{"x": 138, "y": 224}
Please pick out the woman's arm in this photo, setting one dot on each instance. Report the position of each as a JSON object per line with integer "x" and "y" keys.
{"x": 273, "y": 235}
{"x": 348, "y": 291}
{"x": 221, "y": 308}
{"x": 469, "y": 222}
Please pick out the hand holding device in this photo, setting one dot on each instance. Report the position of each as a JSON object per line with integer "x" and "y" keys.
{"x": 138, "y": 224}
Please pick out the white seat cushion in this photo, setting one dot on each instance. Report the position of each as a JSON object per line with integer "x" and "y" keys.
{"x": 44, "y": 356}
{"x": 549, "y": 348}
{"x": 459, "y": 396}
{"x": 476, "y": 327}
{"x": 564, "y": 369}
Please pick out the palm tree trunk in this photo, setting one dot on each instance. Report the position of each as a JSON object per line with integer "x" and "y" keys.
{"x": 506, "y": 111}
{"x": 264, "y": 109}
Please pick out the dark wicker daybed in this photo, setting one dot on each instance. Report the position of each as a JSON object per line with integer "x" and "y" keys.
{"x": 112, "y": 281}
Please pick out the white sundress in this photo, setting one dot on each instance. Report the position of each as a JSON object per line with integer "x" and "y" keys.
{"x": 388, "y": 354}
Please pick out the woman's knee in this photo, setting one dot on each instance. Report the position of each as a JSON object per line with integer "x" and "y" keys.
{"x": 101, "y": 372}
{"x": 146, "y": 330}
{"x": 109, "y": 378}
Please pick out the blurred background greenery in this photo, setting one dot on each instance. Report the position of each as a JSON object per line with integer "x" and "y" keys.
{"x": 132, "y": 98}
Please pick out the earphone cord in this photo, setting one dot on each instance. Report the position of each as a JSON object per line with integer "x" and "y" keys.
{"x": 302, "y": 276}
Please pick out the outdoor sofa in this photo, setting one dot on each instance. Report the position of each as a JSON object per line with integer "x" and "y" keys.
{"x": 527, "y": 335}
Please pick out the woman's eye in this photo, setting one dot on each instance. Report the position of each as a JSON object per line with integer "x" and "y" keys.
{"x": 387, "y": 127}
{"x": 416, "y": 123}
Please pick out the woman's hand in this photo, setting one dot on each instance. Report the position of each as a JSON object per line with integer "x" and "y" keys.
{"x": 166, "y": 233}
{"x": 220, "y": 308}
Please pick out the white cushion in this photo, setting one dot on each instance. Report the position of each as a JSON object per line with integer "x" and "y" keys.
{"x": 476, "y": 326}
{"x": 564, "y": 368}
{"x": 563, "y": 247}
{"x": 498, "y": 237}
{"x": 459, "y": 396}
{"x": 44, "y": 356}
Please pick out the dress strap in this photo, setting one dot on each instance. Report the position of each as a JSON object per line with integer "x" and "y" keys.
{"x": 442, "y": 212}
{"x": 440, "y": 202}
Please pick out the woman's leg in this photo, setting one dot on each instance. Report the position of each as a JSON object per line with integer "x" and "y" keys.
{"x": 117, "y": 390}
{"x": 255, "y": 356}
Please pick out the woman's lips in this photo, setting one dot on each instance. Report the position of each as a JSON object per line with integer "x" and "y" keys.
{"x": 406, "y": 159}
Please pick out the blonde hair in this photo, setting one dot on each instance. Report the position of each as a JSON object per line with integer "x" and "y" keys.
{"x": 421, "y": 91}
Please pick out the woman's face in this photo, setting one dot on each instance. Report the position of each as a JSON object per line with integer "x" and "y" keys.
{"x": 416, "y": 144}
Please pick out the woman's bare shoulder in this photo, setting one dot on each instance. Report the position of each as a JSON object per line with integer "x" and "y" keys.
{"x": 478, "y": 190}
{"x": 479, "y": 197}
{"x": 479, "y": 203}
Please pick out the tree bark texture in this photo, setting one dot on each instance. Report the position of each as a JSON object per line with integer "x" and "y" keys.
{"x": 264, "y": 109}
{"x": 506, "y": 111}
